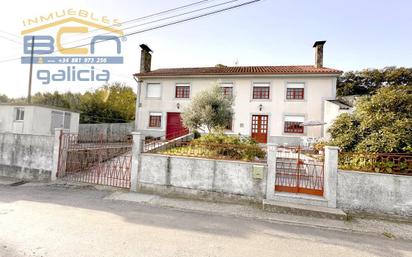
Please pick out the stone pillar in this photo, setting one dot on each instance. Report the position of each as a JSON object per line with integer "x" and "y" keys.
{"x": 331, "y": 175}
{"x": 136, "y": 151}
{"x": 271, "y": 173}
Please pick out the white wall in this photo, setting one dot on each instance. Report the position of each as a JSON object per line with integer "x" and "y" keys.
{"x": 37, "y": 120}
{"x": 316, "y": 90}
{"x": 374, "y": 193}
{"x": 332, "y": 111}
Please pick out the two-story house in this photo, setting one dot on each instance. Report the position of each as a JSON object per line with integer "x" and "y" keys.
{"x": 270, "y": 102}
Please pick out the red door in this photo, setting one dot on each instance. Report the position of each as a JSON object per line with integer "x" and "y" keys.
{"x": 260, "y": 128}
{"x": 174, "y": 126}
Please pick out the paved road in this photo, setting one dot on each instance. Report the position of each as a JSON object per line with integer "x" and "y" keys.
{"x": 67, "y": 221}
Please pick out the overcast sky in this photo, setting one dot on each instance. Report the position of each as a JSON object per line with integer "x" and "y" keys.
{"x": 359, "y": 34}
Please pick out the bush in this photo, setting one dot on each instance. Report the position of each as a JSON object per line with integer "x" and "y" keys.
{"x": 380, "y": 123}
{"x": 221, "y": 146}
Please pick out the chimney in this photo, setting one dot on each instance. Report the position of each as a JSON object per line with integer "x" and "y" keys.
{"x": 145, "y": 58}
{"x": 319, "y": 53}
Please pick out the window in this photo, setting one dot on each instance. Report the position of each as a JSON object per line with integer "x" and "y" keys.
{"x": 227, "y": 89}
{"x": 295, "y": 91}
{"x": 261, "y": 91}
{"x": 293, "y": 124}
{"x": 155, "y": 120}
{"x": 154, "y": 90}
{"x": 19, "y": 114}
{"x": 182, "y": 91}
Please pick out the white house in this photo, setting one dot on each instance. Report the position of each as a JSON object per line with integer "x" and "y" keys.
{"x": 36, "y": 119}
{"x": 271, "y": 102}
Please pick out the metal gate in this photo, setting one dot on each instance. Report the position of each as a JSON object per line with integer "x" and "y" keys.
{"x": 299, "y": 173}
{"x": 94, "y": 160}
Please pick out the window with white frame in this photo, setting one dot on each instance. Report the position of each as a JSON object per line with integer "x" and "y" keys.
{"x": 154, "y": 90}
{"x": 295, "y": 91}
{"x": 227, "y": 89}
{"x": 293, "y": 124}
{"x": 155, "y": 120}
{"x": 19, "y": 114}
{"x": 261, "y": 91}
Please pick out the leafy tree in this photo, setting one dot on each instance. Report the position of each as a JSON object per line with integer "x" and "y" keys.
{"x": 368, "y": 81}
{"x": 380, "y": 123}
{"x": 4, "y": 99}
{"x": 210, "y": 109}
{"x": 114, "y": 103}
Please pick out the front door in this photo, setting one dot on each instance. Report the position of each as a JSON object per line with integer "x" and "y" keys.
{"x": 174, "y": 126}
{"x": 260, "y": 128}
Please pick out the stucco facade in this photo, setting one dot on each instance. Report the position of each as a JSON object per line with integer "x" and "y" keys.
{"x": 271, "y": 103}
{"x": 317, "y": 89}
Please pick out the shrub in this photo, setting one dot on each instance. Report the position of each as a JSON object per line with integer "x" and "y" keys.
{"x": 380, "y": 123}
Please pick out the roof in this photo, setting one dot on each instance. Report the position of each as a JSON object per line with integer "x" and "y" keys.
{"x": 240, "y": 70}
{"x": 38, "y": 105}
{"x": 341, "y": 104}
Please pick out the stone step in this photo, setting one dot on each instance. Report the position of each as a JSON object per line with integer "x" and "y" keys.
{"x": 304, "y": 210}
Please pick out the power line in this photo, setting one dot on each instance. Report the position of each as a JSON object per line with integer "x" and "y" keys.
{"x": 163, "y": 25}
{"x": 174, "y": 22}
{"x": 156, "y": 14}
{"x": 166, "y": 18}
{"x": 127, "y": 21}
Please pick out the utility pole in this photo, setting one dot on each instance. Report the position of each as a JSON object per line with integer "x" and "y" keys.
{"x": 31, "y": 70}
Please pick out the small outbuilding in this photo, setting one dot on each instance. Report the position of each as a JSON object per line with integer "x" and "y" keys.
{"x": 36, "y": 119}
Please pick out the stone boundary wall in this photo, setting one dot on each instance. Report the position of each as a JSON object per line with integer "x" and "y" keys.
{"x": 374, "y": 193}
{"x": 28, "y": 157}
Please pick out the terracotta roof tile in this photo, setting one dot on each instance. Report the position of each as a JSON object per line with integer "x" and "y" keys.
{"x": 239, "y": 70}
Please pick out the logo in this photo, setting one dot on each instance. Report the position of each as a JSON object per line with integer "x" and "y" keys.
{"x": 73, "y": 39}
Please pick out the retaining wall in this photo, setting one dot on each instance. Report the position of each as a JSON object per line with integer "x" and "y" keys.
{"x": 27, "y": 157}
{"x": 374, "y": 193}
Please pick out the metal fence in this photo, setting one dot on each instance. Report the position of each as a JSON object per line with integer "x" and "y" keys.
{"x": 213, "y": 151}
{"x": 391, "y": 163}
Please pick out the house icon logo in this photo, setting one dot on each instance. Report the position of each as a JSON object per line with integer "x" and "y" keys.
{"x": 72, "y": 38}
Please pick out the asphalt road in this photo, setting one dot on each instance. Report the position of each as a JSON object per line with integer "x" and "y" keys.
{"x": 62, "y": 221}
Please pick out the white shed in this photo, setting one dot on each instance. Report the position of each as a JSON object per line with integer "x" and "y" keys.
{"x": 36, "y": 119}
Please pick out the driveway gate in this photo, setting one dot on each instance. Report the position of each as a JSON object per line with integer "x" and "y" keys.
{"x": 93, "y": 160}
{"x": 299, "y": 173}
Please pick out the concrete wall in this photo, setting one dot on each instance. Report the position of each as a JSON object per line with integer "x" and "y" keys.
{"x": 316, "y": 90}
{"x": 171, "y": 174}
{"x": 37, "y": 120}
{"x": 374, "y": 193}
{"x": 108, "y": 130}
{"x": 26, "y": 156}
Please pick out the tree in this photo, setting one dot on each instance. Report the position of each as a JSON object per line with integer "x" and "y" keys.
{"x": 368, "y": 81}
{"x": 113, "y": 103}
{"x": 4, "y": 99}
{"x": 210, "y": 109}
{"x": 380, "y": 123}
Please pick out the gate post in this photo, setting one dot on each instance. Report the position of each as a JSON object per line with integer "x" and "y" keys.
{"x": 136, "y": 151}
{"x": 331, "y": 175}
{"x": 271, "y": 173}
{"x": 56, "y": 152}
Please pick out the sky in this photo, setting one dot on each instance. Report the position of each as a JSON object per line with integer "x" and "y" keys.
{"x": 360, "y": 34}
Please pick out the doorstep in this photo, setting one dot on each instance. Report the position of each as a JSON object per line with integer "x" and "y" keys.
{"x": 299, "y": 199}
{"x": 304, "y": 210}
